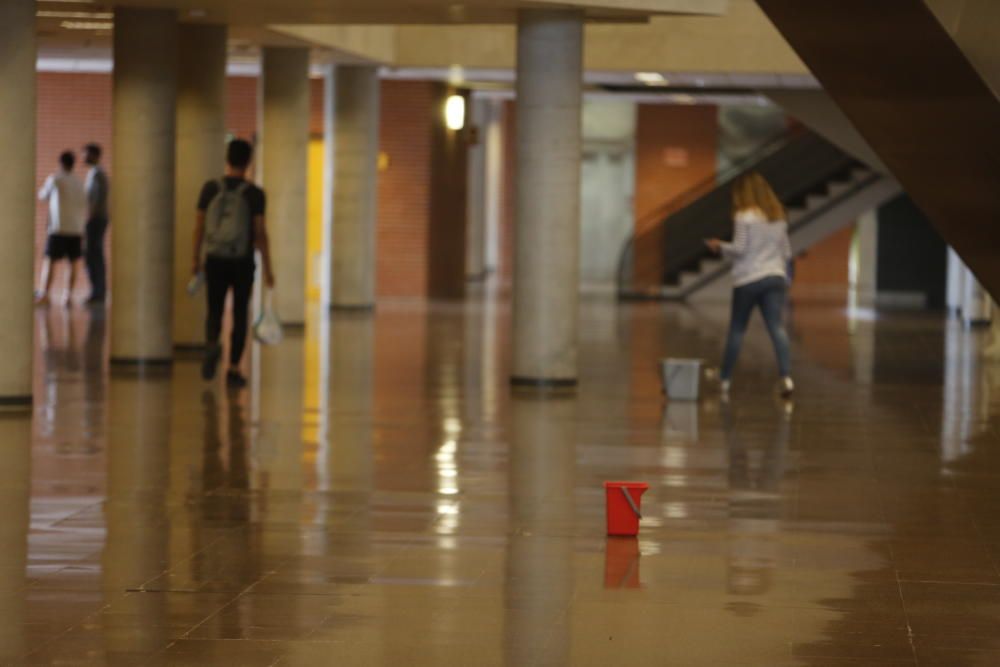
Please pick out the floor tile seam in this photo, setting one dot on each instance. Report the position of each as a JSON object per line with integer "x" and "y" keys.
{"x": 994, "y": 558}
{"x": 184, "y": 561}
{"x": 187, "y": 634}
{"x": 906, "y": 615}
{"x": 85, "y": 508}
{"x": 50, "y": 641}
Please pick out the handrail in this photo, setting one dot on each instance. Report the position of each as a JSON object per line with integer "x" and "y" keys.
{"x": 769, "y": 147}
{"x": 797, "y": 162}
{"x": 774, "y": 144}
{"x": 807, "y": 219}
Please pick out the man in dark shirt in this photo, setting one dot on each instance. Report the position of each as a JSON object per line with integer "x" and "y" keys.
{"x": 97, "y": 222}
{"x": 223, "y": 273}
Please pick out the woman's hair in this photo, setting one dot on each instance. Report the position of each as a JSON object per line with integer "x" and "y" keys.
{"x": 752, "y": 191}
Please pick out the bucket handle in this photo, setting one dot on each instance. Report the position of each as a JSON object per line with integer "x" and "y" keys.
{"x": 628, "y": 497}
{"x": 677, "y": 369}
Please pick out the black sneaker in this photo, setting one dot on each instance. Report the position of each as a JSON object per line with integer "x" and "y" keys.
{"x": 234, "y": 380}
{"x": 211, "y": 361}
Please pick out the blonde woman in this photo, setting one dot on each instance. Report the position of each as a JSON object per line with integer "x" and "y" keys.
{"x": 759, "y": 252}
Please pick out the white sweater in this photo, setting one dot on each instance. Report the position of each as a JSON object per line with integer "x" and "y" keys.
{"x": 67, "y": 203}
{"x": 760, "y": 248}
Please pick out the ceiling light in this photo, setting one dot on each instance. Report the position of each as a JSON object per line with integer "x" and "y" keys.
{"x": 651, "y": 78}
{"x": 87, "y": 25}
{"x": 454, "y": 112}
{"x": 55, "y": 14}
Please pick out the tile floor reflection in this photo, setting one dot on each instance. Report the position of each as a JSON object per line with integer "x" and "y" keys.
{"x": 379, "y": 497}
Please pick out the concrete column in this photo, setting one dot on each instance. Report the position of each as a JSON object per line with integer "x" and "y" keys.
{"x": 15, "y": 496}
{"x": 135, "y": 511}
{"x": 547, "y": 214}
{"x": 492, "y": 138}
{"x": 976, "y": 303}
{"x": 965, "y": 293}
{"x": 475, "y": 257}
{"x": 17, "y": 188}
{"x": 957, "y": 273}
{"x": 540, "y": 485}
{"x": 201, "y": 136}
{"x": 142, "y": 195}
{"x": 863, "y": 260}
{"x": 283, "y": 164}
{"x": 355, "y": 186}
{"x": 329, "y": 155}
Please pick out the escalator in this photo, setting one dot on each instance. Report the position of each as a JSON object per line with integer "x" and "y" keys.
{"x": 822, "y": 187}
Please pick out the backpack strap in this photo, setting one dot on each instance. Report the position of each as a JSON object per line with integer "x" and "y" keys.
{"x": 243, "y": 187}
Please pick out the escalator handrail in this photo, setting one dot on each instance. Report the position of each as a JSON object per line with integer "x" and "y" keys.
{"x": 771, "y": 146}
{"x": 805, "y": 151}
{"x": 674, "y": 204}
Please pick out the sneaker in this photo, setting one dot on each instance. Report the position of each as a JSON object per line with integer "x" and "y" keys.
{"x": 787, "y": 387}
{"x": 787, "y": 408}
{"x": 211, "y": 361}
{"x": 234, "y": 380}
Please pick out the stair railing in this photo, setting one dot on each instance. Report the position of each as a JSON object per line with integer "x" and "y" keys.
{"x": 796, "y": 163}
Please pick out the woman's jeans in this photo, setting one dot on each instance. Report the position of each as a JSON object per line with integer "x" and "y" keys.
{"x": 769, "y": 295}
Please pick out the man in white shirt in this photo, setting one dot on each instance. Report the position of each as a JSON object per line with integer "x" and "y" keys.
{"x": 67, "y": 216}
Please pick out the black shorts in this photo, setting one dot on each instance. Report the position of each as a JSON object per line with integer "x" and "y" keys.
{"x": 63, "y": 246}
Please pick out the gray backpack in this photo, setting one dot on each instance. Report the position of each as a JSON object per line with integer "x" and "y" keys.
{"x": 227, "y": 223}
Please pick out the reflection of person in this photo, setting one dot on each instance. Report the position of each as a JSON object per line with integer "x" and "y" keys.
{"x": 228, "y": 227}
{"x": 755, "y": 505}
{"x": 760, "y": 252}
{"x": 67, "y": 215}
{"x": 222, "y": 517}
{"x": 97, "y": 222}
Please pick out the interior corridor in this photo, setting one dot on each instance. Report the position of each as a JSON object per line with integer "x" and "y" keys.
{"x": 378, "y": 496}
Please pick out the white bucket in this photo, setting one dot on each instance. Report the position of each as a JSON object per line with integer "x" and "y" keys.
{"x": 681, "y": 378}
{"x": 680, "y": 421}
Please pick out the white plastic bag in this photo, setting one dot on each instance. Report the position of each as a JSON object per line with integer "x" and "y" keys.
{"x": 267, "y": 328}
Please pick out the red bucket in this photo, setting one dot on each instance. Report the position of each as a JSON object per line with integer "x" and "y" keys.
{"x": 621, "y": 563}
{"x": 624, "y": 500}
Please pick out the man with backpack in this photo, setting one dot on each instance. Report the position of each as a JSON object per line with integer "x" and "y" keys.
{"x": 228, "y": 227}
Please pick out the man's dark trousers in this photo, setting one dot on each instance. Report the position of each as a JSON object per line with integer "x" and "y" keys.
{"x": 95, "y": 257}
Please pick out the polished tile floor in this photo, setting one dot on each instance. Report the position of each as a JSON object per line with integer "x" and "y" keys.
{"x": 379, "y": 497}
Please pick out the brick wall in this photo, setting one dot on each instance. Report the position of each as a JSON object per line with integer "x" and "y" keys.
{"x": 241, "y": 106}
{"x": 74, "y": 108}
{"x": 675, "y": 151}
{"x": 824, "y": 266}
{"x": 421, "y": 195}
{"x": 403, "y": 192}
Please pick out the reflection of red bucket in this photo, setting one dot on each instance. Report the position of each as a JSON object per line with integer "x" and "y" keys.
{"x": 621, "y": 563}
{"x": 623, "y": 502}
